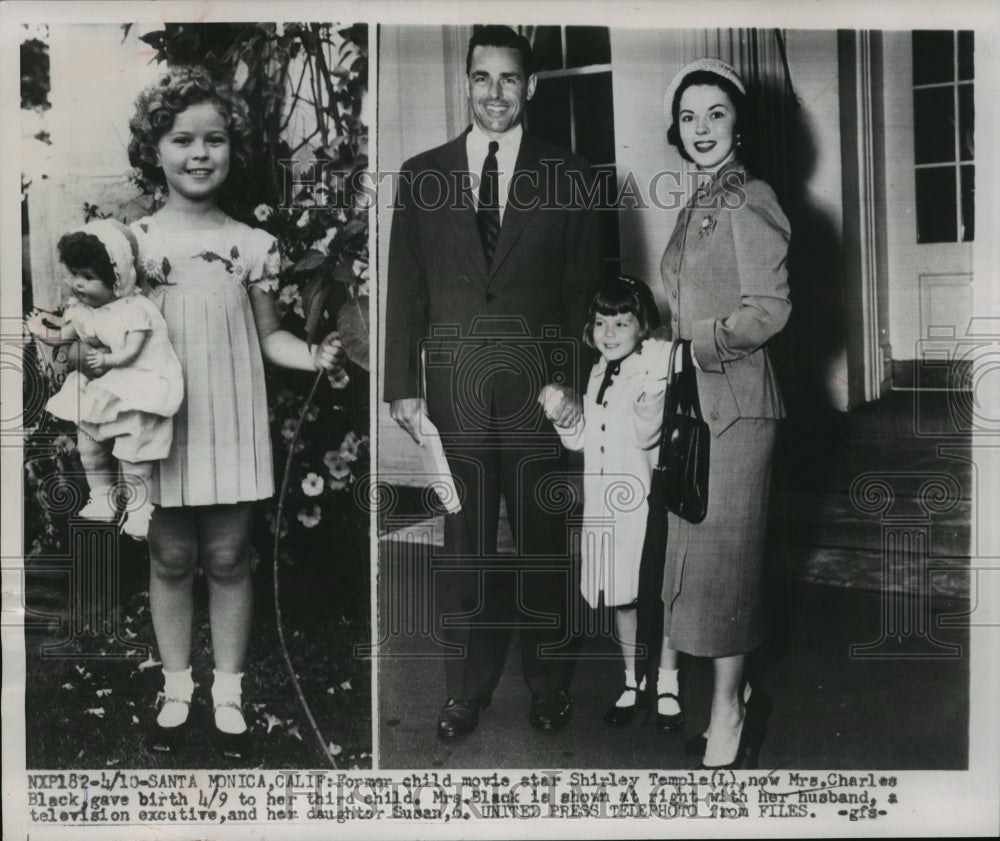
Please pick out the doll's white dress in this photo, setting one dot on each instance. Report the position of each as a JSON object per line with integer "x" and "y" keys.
{"x": 133, "y": 405}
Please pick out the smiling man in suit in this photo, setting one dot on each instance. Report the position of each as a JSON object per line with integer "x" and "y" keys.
{"x": 492, "y": 254}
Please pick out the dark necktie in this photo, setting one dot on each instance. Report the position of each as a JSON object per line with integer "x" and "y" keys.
{"x": 488, "y": 214}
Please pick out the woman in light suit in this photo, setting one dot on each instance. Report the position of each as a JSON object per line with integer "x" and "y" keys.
{"x": 726, "y": 285}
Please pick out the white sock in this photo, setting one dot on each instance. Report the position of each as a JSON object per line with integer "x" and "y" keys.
{"x": 227, "y": 694}
{"x": 667, "y": 681}
{"x": 627, "y": 698}
{"x": 178, "y": 687}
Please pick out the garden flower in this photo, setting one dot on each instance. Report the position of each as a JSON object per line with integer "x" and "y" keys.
{"x": 349, "y": 446}
{"x": 64, "y": 444}
{"x": 263, "y": 212}
{"x": 310, "y": 516}
{"x": 288, "y": 429}
{"x": 324, "y": 244}
{"x": 337, "y": 465}
{"x": 312, "y": 485}
{"x": 360, "y": 269}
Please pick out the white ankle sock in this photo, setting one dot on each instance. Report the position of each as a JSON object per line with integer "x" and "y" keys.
{"x": 227, "y": 694}
{"x": 627, "y": 698}
{"x": 667, "y": 681}
{"x": 178, "y": 687}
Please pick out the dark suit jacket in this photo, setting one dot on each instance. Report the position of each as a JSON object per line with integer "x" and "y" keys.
{"x": 491, "y": 337}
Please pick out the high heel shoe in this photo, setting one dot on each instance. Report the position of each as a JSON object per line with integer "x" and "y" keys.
{"x": 756, "y": 712}
{"x": 695, "y": 746}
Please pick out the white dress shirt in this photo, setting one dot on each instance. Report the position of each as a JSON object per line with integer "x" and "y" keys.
{"x": 477, "y": 147}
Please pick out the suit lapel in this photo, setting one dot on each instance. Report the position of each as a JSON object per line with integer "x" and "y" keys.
{"x": 526, "y": 193}
{"x": 455, "y": 165}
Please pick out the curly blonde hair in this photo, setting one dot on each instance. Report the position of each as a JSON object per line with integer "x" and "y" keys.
{"x": 162, "y": 100}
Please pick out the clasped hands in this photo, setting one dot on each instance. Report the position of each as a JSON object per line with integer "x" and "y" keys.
{"x": 562, "y": 405}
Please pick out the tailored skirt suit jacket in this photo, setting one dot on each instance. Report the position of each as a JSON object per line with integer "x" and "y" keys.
{"x": 725, "y": 277}
{"x": 478, "y": 342}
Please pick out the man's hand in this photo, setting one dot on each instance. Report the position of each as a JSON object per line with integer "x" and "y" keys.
{"x": 562, "y": 405}
{"x": 406, "y": 412}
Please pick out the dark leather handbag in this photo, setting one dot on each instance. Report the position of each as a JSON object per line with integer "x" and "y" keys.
{"x": 680, "y": 478}
{"x": 679, "y": 484}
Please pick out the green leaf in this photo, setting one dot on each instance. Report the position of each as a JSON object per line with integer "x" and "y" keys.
{"x": 312, "y": 259}
{"x": 320, "y": 294}
{"x": 352, "y": 323}
{"x": 344, "y": 272}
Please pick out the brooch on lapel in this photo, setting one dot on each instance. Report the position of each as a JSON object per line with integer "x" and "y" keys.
{"x": 706, "y": 227}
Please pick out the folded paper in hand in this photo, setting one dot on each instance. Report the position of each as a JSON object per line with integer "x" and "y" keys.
{"x": 435, "y": 463}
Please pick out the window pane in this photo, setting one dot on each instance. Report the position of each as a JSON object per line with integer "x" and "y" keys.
{"x": 587, "y": 45}
{"x": 936, "y": 220}
{"x": 966, "y": 64}
{"x": 595, "y": 131}
{"x": 933, "y": 57}
{"x": 546, "y": 47}
{"x": 934, "y": 125}
{"x": 968, "y": 203}
{"x": 966, "y": 122}
{"x": 548, "y": 112}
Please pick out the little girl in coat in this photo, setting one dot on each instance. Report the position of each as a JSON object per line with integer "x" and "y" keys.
{"x": 623, "y": 410}
{"x": 125, "y": 411}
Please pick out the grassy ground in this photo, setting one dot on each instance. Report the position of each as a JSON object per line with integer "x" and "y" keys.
{"x": 87, "y": 706}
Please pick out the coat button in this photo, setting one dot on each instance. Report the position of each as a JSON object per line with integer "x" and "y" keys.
{"x": 714, "y": 414}
{"x": 673, "y": 293}
{"x": 605, "y": 404}
{"x": 602, "y": 427}
{"x": 490, "y": 296}
{"x": 602, "y": 449}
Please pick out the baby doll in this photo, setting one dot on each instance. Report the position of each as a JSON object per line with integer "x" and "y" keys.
{"x": 133, "y": 385}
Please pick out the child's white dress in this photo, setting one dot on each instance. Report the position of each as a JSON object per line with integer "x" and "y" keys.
{"x": 200, "y": 281}
{"x": 615, "y": 436}
{"x": 132, "y": 405}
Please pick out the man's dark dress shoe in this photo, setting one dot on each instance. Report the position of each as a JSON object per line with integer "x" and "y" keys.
{"x": 551, "y": 710}
{"x": 458, "y": 717}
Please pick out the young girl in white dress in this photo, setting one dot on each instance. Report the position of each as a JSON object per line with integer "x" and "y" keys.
{"x": 622, "y": 413}
{"x": 213, "y": 279}
{"x": 124, "y": 412}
